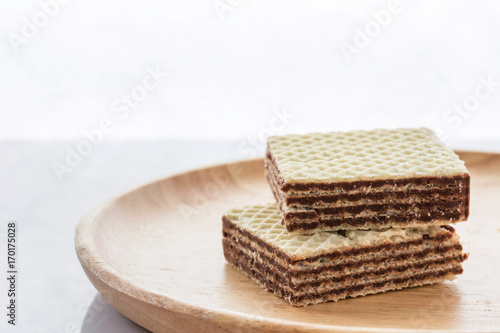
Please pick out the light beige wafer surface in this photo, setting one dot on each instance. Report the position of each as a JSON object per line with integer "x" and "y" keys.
{"x": 264, "y": 221}
{"x": 363, "y": 155}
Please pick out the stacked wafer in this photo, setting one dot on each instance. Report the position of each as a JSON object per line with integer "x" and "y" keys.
{"x": 357, "y": 213}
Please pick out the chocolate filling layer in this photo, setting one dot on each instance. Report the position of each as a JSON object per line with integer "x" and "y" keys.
{"x": 229, "y": 244}
{"x": 380, "y": 220}
{"x": 437, "y": 195}
{"x": 227, "y": 224}
{"x": 376, "y": 208}
{"x": 295, "y": 299}
{"x": 284, "y": 277}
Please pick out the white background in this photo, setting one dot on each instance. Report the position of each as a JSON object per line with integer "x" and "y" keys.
{"x": 226, "y": 76}
{"x": 229, "y": 75}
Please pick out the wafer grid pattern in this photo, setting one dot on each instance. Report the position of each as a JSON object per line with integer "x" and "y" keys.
{"x": 363, "y": 155}
{"x": 264, "y": 221}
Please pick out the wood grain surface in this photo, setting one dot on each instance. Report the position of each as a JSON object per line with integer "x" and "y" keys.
{"x": 155, "y": 254}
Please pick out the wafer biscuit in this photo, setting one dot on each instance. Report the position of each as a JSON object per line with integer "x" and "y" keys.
{"x": 329, "y": 266}
{"x": 366, "y": 180}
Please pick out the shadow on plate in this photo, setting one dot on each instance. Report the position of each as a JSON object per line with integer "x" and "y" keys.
{"x": 102, "y": 317}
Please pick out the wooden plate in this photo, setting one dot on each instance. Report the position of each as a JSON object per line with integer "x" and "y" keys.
{"x": 155, "y": 254}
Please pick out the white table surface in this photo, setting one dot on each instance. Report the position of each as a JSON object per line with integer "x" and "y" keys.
{"x": 54, "y": 292}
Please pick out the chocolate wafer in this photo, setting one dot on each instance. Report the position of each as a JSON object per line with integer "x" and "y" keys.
{"x": 366, "y": 180}
{"x": 329, "y": 266}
